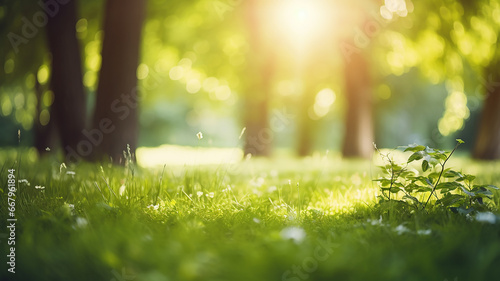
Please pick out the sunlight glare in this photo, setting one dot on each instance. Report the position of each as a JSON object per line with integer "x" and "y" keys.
{"x": 174, "y": 155}
{"x": 301, "y": 21}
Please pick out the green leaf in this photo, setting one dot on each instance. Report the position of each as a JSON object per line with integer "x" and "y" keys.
{"x": 478, "y": 186}
{"x": 414, "y": 148}
{"x": 384, "y": 182}
{"x": 452, "y": 174}
{"x": 393, "y": 189}
{"x": 391, "y": 167}
{"x": 482, "y": 191}
{"x": 425, "y": 165}
{"x": 466, "y": 177}
{"x": 448, "y": 186}
{"x": 472, "y": 194}
{"x": 433, "y": 176}
{"x": 415, "y": 156}
{"x": 423, "y": 189}
{"x": 479, "y": 200}
{"x": 420, "y": 179}
{"x": 462, "y": 210}
{"x": 491, "y": 186}
{"x": 451, "y": 199}
{"x": 429, "y": 182}
{"x": 440, "y": 156}
{"x": 460, "y": 141}
{"x": 407, "y": 174}
{"x": 485, "y": 194}
{"x": 412, "y": 198}
{"x": 433, "y": 161}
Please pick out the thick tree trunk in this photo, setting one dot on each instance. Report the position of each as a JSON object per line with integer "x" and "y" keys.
{"x": 115, "y": 123}
{"x": 358, "y": 137}
{"x": 69, "y": 110}
{"x": 258, "y": 135}
{"x": 307, "y": 130}
{"x": 487, "y": 146}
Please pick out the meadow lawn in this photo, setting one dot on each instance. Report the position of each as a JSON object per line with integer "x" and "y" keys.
{"x": 257, "y": 219}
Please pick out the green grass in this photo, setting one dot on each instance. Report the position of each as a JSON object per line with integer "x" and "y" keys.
{"x": 112, "y": 223}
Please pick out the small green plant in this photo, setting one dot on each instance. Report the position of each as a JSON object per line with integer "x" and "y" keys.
{"x": 451, "y": 189}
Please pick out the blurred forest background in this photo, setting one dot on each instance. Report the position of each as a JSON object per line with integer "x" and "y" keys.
{"x": 93, "y": 76}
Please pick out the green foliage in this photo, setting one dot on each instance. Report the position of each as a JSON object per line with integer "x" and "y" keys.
{"x": 451, "y": 189}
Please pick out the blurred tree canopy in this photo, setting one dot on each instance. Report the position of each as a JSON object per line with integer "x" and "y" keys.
{"x": 282, "y": 69}
{"x": 455, "y": 43}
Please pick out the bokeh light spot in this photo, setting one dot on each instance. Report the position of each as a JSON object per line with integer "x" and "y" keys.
{"x": 81, "y": 25}
{"x": 142, "y": 71}
{"x": 6, "y": 106}
{"x": 210, "y": 84}
{"x": 44, "y": 117}
{"x": 176, "y": 72}
{"x": 325, "y": 97}
{"x": 193, "y": 86}
{"x": 223, "y": 92}
{"x": 384, "y": 92}
{"x": 9, "y": 66}
{"x": 43, "y": 74}
{"x": 48, "y": 98}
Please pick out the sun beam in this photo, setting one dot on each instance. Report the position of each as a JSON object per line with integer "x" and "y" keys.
{"x": 302, "y": 22}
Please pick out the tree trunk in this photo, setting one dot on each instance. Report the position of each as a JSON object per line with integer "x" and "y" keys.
{"x": 307, "y": 126}
{"x": 115, "y": 123}
{"x": 358, "y": 137}
{"x": 258, "y": 134}
{"x": 487, "y": 146}
{"x": 69, "y": 110}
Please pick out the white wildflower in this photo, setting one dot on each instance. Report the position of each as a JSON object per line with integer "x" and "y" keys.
{"x": 24, "y": 181}
{"x": 199, "y": 193}
{"x": 424, "y": 232}
{"x": 63, "y": 166}
{"x": 297, "y": 234}
{"x": 81, "y": 222}
{"x": 271, "y": 189}
{"x": 488, "y": 217}
{"x": 39, "y": 187}
{"x": 376, "y": 222}
{"x": 199, "y": 135}
{"x": 154, "y": 207}
{"x": 121, "y": 190}
{"x": 400, "y": 229}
